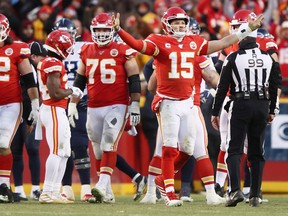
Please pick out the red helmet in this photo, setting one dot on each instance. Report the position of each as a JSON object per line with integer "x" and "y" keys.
{"x": 102, "y": 29}
{"x": 174, "y": 13}
{"x": 60, "y": 42}
{"x": 4, "y": 27}
{"x": 241, "y": 16}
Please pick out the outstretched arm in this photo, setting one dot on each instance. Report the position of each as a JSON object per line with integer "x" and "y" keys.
{"x": 140, "y": 45}
{"x": 216, "y": 45}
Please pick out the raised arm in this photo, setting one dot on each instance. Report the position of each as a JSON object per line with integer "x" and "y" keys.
{"x": 140, "y": 45}
{"x": 216, "y": 45}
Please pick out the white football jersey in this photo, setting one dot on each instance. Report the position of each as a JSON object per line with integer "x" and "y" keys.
{"x": 71, "y": 63}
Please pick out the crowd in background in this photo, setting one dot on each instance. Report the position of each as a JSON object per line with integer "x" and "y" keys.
{"x": 32, "y": 20}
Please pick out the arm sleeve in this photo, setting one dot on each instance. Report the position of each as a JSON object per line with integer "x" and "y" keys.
{"x": 274, "y": 79}
{"x": 223, "y": 86}
{"x": 139, "y": 45}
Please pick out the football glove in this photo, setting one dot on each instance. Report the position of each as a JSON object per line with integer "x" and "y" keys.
{"x": 76, "y": 92}
{"x": 34, "y": 114}
{"x": 72, "y": 114}
{"x": 134, "y": 112}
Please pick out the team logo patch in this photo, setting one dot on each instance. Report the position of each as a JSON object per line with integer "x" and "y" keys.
{"x": 9, "y": 51}
{"x": 193, "y": 45}
{"x": 114, "y": 52}
{"x": 167, "y": 45}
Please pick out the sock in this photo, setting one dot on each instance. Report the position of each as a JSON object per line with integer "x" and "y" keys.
{"x": 52, "y": 166}
{"x": 5, "y": 168}
{"x": 20, "y": 191}
{"x": 34, "y": 161}
{"x": 155, "y": 166}
{"x": 97, "y": 165}
{"x": 168, "y": 158}
{"x": 82, "y": 165}
{"x": 180, "y": 160}
{"x": 108, "y": 163}
{"x": 60, "y": 174}
{"x": 67, "y": 178}
{"x": 123, "y": 166}
{"x": 137, "y": 178}
{"x": 206, "y": 173}
{"x": 18, "y": 168}
{"x": 221, "y": 173}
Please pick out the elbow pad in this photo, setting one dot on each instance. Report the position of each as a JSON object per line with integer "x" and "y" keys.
{"x": 80, "y": 82}
{"x": 29, "y": 80}
{"x": 134, "y": 84}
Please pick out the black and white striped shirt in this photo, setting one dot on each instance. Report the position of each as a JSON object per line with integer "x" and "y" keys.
{"x": 248, "y": 70}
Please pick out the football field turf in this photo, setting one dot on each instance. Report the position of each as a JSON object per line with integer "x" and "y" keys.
{"x": 125, "y": 206}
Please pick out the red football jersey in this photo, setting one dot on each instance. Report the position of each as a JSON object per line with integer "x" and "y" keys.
{"x": 106, "y": 74}
{"x": 283, "y": 60}
{"x": 175, "y": 63}
{"x": 10, "y": 56}
{"x": 264, "y": 44}
{"x": 46, "y": 67}
{"x": 201, "y": 62}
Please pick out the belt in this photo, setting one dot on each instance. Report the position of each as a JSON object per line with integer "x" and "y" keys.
{"x": 248, "y": 95}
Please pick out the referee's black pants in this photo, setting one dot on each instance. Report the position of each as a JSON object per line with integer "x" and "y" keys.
{"x": 247, "y": 117}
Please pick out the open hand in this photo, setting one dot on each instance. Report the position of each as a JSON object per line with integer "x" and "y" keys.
{"x": 255, "y": 24}
{"x": 116, "y": 21}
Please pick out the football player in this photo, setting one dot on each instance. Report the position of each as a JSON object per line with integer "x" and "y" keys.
{"x": 14, "y": 57}
{"x": 105, "y": 66}
{"x": 174, "y": 54}
{"x": 55, "y": 92}
{"x": 25, "y": 135}
{"x": 203, "y": 69}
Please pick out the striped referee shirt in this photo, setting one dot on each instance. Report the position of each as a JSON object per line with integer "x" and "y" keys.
{"x": 248, "y": 70}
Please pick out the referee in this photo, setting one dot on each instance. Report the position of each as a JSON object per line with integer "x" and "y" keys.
{"x": 253, "y": 78}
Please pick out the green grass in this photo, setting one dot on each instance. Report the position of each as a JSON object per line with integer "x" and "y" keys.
{"x": 125, "y": 206}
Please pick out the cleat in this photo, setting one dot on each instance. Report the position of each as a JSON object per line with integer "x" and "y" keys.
{"x": 172, "y": 200}
{"x": 214, "y": 199}
{"x": 109, "y": 197}
{"x": 34, "y": 195}
{"x": 159, "y": 181}
{"x": 48, "y": 198}
{"x": 140, "y": 187}
{"x": 246, "y": 197}
{"x": 98, "y": 193}
{"x": 185, "y": 195}
{"x": 186, "y": 199}
{"x": 18, "y": 197}
{"x": 219, "y": 190}
{"x": 67, "y": 192}
{"x": 158, "y": 195}
{"x": 88, "y": 198}
{"x": 149, "y": 198}
{"x": 254, "y": 202}
{"x": 6, "y": 195}
{"x": 234, "y": 198}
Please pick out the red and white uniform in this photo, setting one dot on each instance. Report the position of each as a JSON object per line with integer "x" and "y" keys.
{"x": 11, "y": 55}
{"x": 174, "y": 64}
{"x": 283, "y": 60}
{"x": 107, "y": 89}
{"x": 175, "y": 82}
{"x": 52, "y": 112}
{"x": 11, "y": 95}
